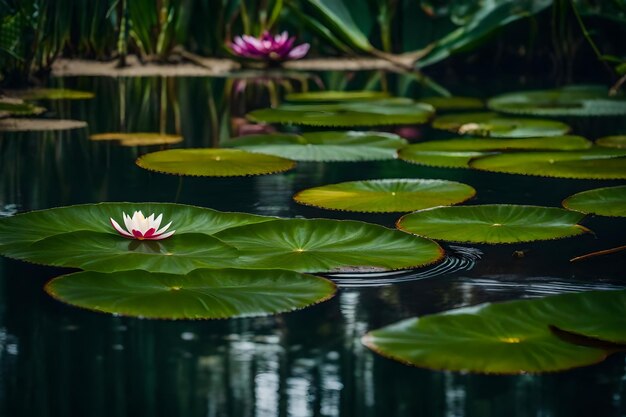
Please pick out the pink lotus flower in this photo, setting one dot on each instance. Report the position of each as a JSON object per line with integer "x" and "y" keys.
{"x": 268, "y": 48}
{"x": 142, "y": 228}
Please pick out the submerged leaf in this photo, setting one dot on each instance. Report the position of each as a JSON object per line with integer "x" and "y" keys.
{"x": 608, "y": 201}
{"x": 494, "y": 223}
{"x": 200, "y": 294}
{"x": 490, "y": 124}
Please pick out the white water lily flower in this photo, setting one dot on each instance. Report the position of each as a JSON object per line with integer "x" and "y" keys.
{"x": 142, "y": 228}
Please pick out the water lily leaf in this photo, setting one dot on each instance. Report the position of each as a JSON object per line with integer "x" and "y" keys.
{"x": 490, "y": 124}
{"x": 388, "y": 195}
{"x": 457, "y": 153}
{"x": 200, "y": 294}
{"x": 16, "y": 107}
{"x": 494, "y": 223}
{"x": 52, "y": 94}
{"x": 508, "y": 338}
{"x": 453, "y": 103}
{"x": 213, "y": 162}
{"x": 365, "y": 113}
{"x": 324, "y": 146}
{"x": 330, "y": 96}
{"x": 581, "y": 100}
{"x": 618, "y": 141}
{"x": 28, "y": 125}
{"x": 608, "y": 201}
{"x": 22, "y": 230}
{"x": 322, "y": 245}
{"x": 138, "y": 138}
{"x": 594, "y": 163}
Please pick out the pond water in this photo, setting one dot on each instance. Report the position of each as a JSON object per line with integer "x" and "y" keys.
{"x": 56, "y": 360}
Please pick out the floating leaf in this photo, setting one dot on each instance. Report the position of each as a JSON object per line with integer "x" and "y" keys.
{"x": 324, "y": 146}
{"x": 322, "y": 245}
{"x": 326, "y": 96}
{"x": 490, "y": 124}
{"x": 366, "y": 113}
{"x": 213, "y": 162}
{"x": 594, "y": 163}
{"x": 495, "y": 223}
{"x": 567, "y": 101}
{"x": 608, "y": 201}
{"x": 138, "y": 138}
{"x": 200, "y": 294}
{"x": 16, "y": 107}
{"x": 28, "y": 125}
{"x": 52, "y": 94}
{"x": 457, "y": 153}
{"x": 388, "y": 195}
{"x": 508, "y": 338}
{"x": 618, "y": 141}
{"x": 453, "y": 103}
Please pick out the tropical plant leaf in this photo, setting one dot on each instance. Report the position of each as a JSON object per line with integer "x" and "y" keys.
{"x": 618, "y": 141}
{"x": 200, "y": 294}
{"x": 138, "y": 138}
{"x": 577, "y": 100}
{"x": 509, "y": 338}
{"x": 490, "y": 124}
{"x": 324, "y": 146}
{"x": 51, "y": 94}
{"x": 608, "y": 201}
{"x": 388, "y": 195}
{"x": 457, "y": 153}
{"x": 31, "y": 125}
{"x": 453, "y": 103}
{"x": 367, "y": 113}
{"x": 15, "y": 107}
{"x": 213, "y": 162}
{"x": 336, "y": 96}
{"x": 322, "y": 245}
{"x": 493, "y": 223}
{"x": 595, "y": 163}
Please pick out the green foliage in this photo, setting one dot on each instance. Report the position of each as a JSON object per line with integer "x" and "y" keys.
{"x": 608, "y": 201}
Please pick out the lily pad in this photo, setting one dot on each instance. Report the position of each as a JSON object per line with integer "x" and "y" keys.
{"x": 509, "y": 338}
{"x": 200, "y": 294}
{"x": 16, "y": 107}
{"x": 388, "y": 195}
{"x": 457, "y": 153}
{"x": 322, "y": 245}
{"x": 494, "y": 223}
{"x": 490, "y": 124}
{"x": 52, "y": 94}
{"x": 326, "y": 96}
{"x": 618, "y": 141}
{"x": 324, "y": 146}
{"x": 138, "y": 139}
{"x": 453, "y": 103}
{"x": 580, "y": 100}
{"x": 595, "y": 163}
{"x": 31, "y": 125}
{"x": 213, "y": 162}
{"x": 608, "y": 201}
{"x": 366, "y": 113}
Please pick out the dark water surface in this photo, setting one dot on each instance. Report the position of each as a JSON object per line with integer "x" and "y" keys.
{"x": 56, "y": 360}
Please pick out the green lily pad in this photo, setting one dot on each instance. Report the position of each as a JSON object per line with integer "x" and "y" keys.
{"x": 594, "y": 163}
{"x": 388, "y": 195}
{"x": 138, "y": 138}
{"x": 52, "y": 94}
{"x": 608, "y": 201}
{"x": 618, "y": 141}
{"x": 508, "y": 338}
{"x": 322, "y": 245}
{"x": 453, "y": 103}
{"x": 16, "y": 107}
{"x": 213, "y": 162}
{"x": 490, "y": 124}
{"x": 457, "y": 153}
{"x": 200, "y": 294}
{"x": 33, "y": 125}
{"x": 367, "y": 113}
{"x": 495, "y": 223}
{"x": 581, "y": 100}
{"x": 324, "y": 146}
{"x": 326, "y": 96}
